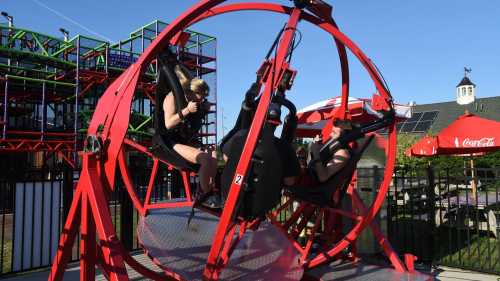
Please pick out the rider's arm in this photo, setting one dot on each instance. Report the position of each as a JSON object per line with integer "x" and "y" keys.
{"x": 324, "y": 172}
{"x": 338, "y": 161}
{"x": 172, "y": 118}
{"x": 248, "y": 107}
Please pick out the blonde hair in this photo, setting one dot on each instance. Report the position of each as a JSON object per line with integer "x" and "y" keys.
{"x": 183, "y": 75}
{"x": 199, "y": 86}
{"x": 190, "y": 84}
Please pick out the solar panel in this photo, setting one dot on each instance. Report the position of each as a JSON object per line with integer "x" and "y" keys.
{"x": 422, "y": 127}
{"x": 408, "y": 127}
{"x": 420, "y": 122}
{"x": 414, "y": 117}
{"x": 429, "y": 116}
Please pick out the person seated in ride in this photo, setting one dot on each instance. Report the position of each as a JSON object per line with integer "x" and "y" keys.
{"x": 181, "y": 135}
{"x": 338, "y": 161}
{"x": 318, "y": 172}
{"x": 301, "y": 153}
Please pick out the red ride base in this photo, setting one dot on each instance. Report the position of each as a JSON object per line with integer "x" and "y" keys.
{"x": 99, "y": 245}
{"x": 89, "y": 212}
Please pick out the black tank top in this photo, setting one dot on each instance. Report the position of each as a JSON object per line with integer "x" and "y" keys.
{"x": 186, "y": 131}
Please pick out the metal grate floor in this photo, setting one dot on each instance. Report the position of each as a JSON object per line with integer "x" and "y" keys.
{"x": 265, "y": 254}
{"x": 359, "y": 271}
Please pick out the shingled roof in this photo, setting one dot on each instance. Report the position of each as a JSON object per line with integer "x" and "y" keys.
{"x": 466, "y": 82}
{"x": 488, "y": 108}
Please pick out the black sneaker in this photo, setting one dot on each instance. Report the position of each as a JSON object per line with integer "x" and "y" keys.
{"x": 213, "y": 201}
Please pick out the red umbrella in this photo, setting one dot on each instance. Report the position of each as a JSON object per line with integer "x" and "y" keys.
{"x": 427, "y": 146}
{"x": 468, "y": 134}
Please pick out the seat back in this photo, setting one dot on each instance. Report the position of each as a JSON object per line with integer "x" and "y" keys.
{"x": 167, "y": 81}
{"x": 261, "y": 190}
{"x": 263, "y": 185}
{"x": 346, "y": 174}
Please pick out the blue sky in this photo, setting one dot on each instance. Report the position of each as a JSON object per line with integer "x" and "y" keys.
{"x": 420, "y": 47}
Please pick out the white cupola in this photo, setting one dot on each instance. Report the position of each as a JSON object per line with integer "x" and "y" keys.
{"x": 466, "y": 90}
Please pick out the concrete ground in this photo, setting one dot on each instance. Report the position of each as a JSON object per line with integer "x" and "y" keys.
{"x": 444, "y": 273}
{"x": 441, "y": 274}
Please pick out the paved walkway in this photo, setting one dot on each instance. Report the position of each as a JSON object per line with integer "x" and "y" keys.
{"x": 441, "y": 274}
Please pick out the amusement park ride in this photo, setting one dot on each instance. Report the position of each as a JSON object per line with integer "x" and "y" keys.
{"x": 229, "y": 244}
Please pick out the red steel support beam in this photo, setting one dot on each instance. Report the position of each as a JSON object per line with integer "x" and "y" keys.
{"x": 212, "y": 268}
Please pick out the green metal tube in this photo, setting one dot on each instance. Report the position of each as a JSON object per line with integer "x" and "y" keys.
{"x": 39, "y": 80}
{"x": 25, "y": 69}
{"x": 143, "y": 123}
{"x": 30, "y": 31}
{"x": 9, "y": 50}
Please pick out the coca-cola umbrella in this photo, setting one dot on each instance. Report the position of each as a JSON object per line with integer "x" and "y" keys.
{"x": 467, "y": 135}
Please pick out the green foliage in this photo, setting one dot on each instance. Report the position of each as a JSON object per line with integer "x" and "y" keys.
{"x": 405, "y": 141}
{"x": 489, "y": 160}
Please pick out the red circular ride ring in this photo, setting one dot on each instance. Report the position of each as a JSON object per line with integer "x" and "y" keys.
{"x": 111, "y": 123}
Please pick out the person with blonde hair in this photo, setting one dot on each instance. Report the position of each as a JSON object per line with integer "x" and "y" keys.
{"x": 182, "y": 125}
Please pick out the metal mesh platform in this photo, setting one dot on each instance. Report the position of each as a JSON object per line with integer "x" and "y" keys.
{"x": 265, "y": 254}
{"x": 359, "y": 271}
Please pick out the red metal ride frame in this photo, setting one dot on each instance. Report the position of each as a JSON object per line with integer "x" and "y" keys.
{"x": 110, "y": 122}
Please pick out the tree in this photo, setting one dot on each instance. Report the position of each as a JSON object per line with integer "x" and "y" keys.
{"x": 405, "y": 141}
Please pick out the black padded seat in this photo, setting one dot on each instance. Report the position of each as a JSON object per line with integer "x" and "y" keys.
{"x": 163, "y": 139}
{"x": 169, "y": 155}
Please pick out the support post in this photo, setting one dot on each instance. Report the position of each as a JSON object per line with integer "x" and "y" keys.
{"x": 473, "y": 182}
{"x": 44, "y": 112}
{"x": 77, "y": 92}
{"x": 5, "y": 107}
{"x": 106, "y": 58}
{"x": 87, "y": 242}
{"x": 175, "y": 183}
{"x": 67, "y": 190}
{"x": 126, "y": 220}
{"x": 431, "y": 205}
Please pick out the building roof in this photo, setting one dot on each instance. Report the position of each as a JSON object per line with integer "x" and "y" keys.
{"x": 447, "y": 112}
{"x": 466, "y": 82}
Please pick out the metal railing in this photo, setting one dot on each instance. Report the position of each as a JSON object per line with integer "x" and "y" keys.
{"x": 33, "y": 210}
{"x": 446, "y": 216}
{"x": 441, "y": 216}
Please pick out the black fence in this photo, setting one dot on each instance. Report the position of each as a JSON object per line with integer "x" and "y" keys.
{"x": 33, "y": 211}
{"x": 442, "y": 216}
{"x": 447, "y": 216}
